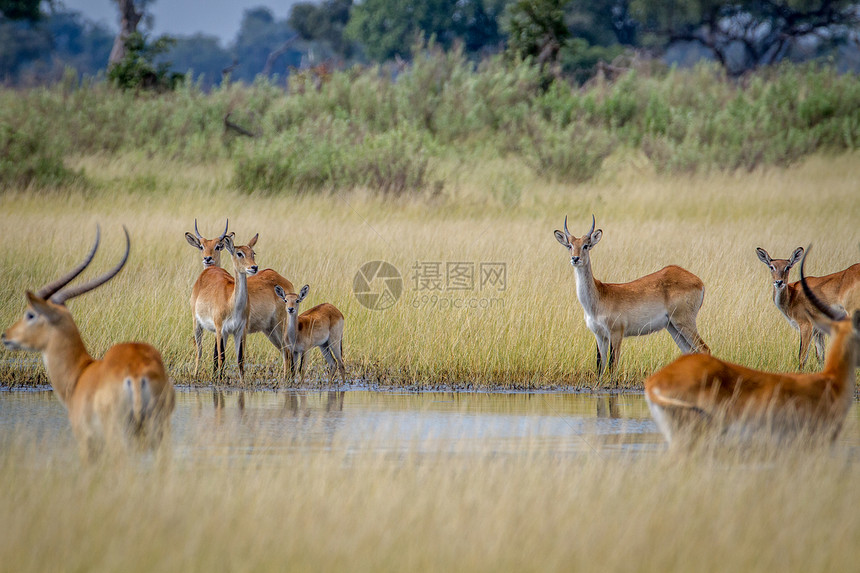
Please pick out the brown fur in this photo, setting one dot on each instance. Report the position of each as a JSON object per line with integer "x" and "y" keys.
{"x": 126, "y": 396}
{"x": 220, "y": 303}
{"x": 726, "y": 394}
{"x": 667, "y": 299}
{"x": 840, "y": 290}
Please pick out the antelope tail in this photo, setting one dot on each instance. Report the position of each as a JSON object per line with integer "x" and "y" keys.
{"x": 667, "y": 402}
{"x": 139, "y": 396}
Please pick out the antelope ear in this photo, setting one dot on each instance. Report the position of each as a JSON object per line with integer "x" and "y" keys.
{"x": 561, "y": 238}
{"x": 253, "y": 240}
{"x": 280, "y": 292}
{"x": 42, "y": 307}
{"x": 193, "y": 241}
{"x": 596, "y": 236}
{"x": 763, "y": 256}
{"x": 227, "y": 241}
{"x": 303, "y": 293}
{"x": 795, "y": 256}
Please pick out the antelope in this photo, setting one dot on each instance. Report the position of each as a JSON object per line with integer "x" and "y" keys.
{"x": 211, "y": 248}
{"x": 320, "y": 326}
{"x": 267, "y": 312}
{"x": 669, "y": 298}
{"x": 840, "y": 290}
{"x": 124, "y": 399}
{"x": 219, "y": 304}
{"x": 702, "y": 391}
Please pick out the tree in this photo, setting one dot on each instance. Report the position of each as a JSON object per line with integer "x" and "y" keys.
{"x": 744, "y": 35}
{"x": 30, "y": 10}
{"x": 259, "y": 36}
{"x": 324, "y": 23}
{"x": 200, "y": 54}
{"x": 389, "y": 28}
{"x": 536, "y": 29}
{"x": 139, "y": 68}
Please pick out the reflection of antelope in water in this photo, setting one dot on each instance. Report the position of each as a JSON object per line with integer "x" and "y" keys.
{"x": 838, "y": 290}
{"x": 608, "y": 408}
{"x": 700, "y": 390}
{"x": 669, "y": 298}
{"x": 125, "y": 398}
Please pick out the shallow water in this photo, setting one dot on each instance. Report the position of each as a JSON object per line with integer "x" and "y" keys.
{"x": 260, "y": 423}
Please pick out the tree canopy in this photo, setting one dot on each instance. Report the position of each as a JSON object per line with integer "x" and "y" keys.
{"x": 38, "y": 38}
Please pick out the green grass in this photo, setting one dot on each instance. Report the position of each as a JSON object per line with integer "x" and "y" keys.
{"x": 491, "y": 210}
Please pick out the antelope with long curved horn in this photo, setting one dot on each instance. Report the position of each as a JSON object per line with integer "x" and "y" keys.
{"x": 669, "y": 298}
{"x": 699, "y": 392}
{"x": 124, "y": 398}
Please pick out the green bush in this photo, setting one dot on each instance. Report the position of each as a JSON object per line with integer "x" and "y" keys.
{"x": 382, "y": 129}
{"x": 331, "y": 156}
{"x": 30, "y": 157}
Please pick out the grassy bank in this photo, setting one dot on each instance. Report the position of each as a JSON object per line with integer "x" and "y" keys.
{"x": 531, "y": 334}
{"x": 370, "y": 511}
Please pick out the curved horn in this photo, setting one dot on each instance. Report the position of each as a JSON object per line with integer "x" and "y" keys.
{"x": 813, "y": 298}
{"x": 224, "y": 234}
{"x": 196, "y": 232}
{"x": 49, "y": 289}
{"x": 566, "y": 232}
{"x": 62, "y": 297}
{"x": 592, "y": 225}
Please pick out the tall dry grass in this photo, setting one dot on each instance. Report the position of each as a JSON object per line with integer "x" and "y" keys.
{"x": 492, "y": 210}
{"x": 312, "y": 510}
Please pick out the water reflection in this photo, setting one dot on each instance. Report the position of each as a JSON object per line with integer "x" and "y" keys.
{"x": 214, "y": 424}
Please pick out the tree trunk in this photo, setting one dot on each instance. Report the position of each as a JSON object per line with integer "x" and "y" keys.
{"x": 129, "y": 19}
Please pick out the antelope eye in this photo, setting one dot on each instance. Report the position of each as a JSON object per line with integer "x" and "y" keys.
{"x": 240, "y": 254}
{"x": 219, "y": 247}
{"x": 30, "y": 315}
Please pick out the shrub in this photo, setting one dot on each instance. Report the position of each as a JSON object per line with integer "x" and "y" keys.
{"x": 30, "y": 158}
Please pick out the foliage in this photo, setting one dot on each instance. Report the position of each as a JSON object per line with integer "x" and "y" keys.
{"x": 324, "y": 22}
{"x": 259, "y": 35}
{"x": 20, "y": 44}
{"x": 749, "y": 34}
{"x": 139, "y": 70}
{"x": 348, "y": 128}
{"x": 200, "y": 55}
{"x": 388, "y": 28}
{"x": 29, "y": 156}
{"x": 30, "y": 10}
{"x": 334, "y": 156}
{"x": 536, "y": 29}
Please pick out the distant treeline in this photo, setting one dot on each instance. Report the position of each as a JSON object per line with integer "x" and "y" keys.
{"x": 569, "y": 38}
{"x": 364, "y": 128}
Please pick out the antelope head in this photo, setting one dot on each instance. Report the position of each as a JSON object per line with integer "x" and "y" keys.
{"x": 243, "y": 256}
{"x": 291, "y": 299}
{"x": 579, "y": 247}
{"x": 46, "y": 315}
{"x": 211, "y": 248}
{"x": 779, "y": 268}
